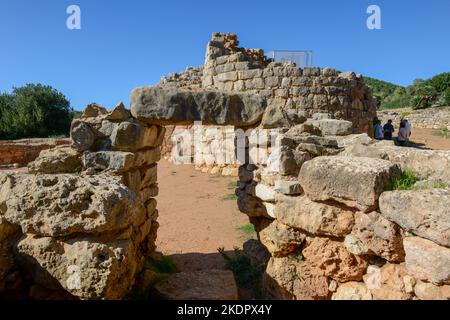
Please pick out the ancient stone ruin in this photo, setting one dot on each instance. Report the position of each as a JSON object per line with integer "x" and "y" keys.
{"x": 322, "y": 203}
{"x": 82, "y": 222}
{"x": 19, "y": 153}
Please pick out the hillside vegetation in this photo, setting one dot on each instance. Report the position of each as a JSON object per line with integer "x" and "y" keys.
{"x": 434, "y": 92}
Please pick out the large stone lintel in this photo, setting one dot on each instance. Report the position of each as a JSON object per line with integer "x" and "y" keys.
{"x": 169, "y": 106}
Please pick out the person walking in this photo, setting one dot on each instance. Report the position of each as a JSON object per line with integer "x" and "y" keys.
{"x": 388, "y": 130}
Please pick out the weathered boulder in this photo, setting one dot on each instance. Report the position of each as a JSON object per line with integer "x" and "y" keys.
{"x": 426, "y": 260}
{"x": 276, "y": 117}
{"x": 119, "y": 113}
{"x": 287, "y": 278}
{"x": 352, "y": 140}
{"x": 355, "y": 182}
{"x": 429, "y": 291}
{"x": 265, "y": 193}
{"x": 334, "y": 261}
{"x": 333, "y": 127}
{"x": 379, "y": 235}
{"x": 94, "y": 110}
{"x": 165, "y": 106}
{"x": 354, "y": 245}
{"x": 133, "y": 136}
{"x": 57, "y": 160}
{"x": 61, "y": 205}
{"x": 388, "y": 282}
{"x": 280, "y": 239}
{"x": 116, "y": 161}
{"x": 428, "y": 164}
{"x": 352, "y": 291}
{"x": 119, "y": 161}
{"x": 288, "y": 161}
{"x": 81, "y": 135}
{"x": 288, "y": 187}
{"x": 313, "y": 217}
{"x": 199, "y": 285}
{"x": 303, "y": 129}
{"x": 84, "y": 267}
{"x": 425, "y": 213}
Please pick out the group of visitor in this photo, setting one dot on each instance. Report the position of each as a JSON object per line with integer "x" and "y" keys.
{"x": 386, "y": 132}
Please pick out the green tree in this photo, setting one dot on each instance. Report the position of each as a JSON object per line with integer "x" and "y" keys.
{"x": 424, "y": 97}
{"x": 34, "y": 111}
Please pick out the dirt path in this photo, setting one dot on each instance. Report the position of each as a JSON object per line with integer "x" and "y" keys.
{"x": 197, "y": 215}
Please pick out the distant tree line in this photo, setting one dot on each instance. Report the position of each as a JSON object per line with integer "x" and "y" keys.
{"x": 434, "y": 92}
{"x": 34, "y": 111}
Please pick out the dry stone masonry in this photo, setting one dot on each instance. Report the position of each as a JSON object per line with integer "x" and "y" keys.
{"x": 431, "y": 118}
{"x": 335, "y": 231}
{"x": 82, "y": 222}
{"x": 253, "y": 89}
{"x": 321, "y": 204}
{"x": 329, "y": 224}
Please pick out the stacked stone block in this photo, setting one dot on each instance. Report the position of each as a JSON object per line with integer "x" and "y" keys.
{"x": 431, "y": 118}
{"x": 291, "y": 94}
{"x": 333, "y": 229}
{"x": 92, "y": 218}
{"x": 285, "y": 86}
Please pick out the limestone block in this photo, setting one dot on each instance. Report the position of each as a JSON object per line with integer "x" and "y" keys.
{"x": 355, "y": 182}
{"x": 426, "y": 260}
{"x": 426, "y": 213}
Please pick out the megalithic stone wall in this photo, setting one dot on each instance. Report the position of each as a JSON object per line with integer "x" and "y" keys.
{"x": 286, "y": 87}
{"x": 81, "y": 224}
{"x": 289, "y": 93}
{"x": 335, "y": 231}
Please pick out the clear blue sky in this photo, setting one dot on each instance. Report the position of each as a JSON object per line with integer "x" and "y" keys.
{"x": 126, "y": 44}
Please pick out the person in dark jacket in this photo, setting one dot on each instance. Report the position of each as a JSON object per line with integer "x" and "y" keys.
{"x": 388, "y": 130}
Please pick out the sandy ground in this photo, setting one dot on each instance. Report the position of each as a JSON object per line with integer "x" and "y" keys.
{"x": 429, "y": 140}
{"x": 197, "y": 215}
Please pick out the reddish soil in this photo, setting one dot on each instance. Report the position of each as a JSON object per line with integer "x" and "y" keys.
{"x": 429, "y": 139}
{"x": 197, "y": 215}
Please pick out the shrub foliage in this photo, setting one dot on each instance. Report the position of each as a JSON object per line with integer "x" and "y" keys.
{"x": 34, "y": 111}
{"x": 434, "y": 92}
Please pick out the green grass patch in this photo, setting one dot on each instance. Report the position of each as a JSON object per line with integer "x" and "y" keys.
{"x": 405, "y": 181}
{"x": 232, "y": 185}
{"x": 444, "y": 133}
{"x": 295, "y": 258}
{"x": 405, "y": 114}
{"x": 431, "y": 185}
{"x": 164, "y": 265}
{"x": 246, "y": 275}
{"x": 230, "y": 196}
{"x": 154, "y": 271}
{"x": 248, "y": 229}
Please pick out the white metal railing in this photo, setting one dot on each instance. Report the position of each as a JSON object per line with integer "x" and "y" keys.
{"x": 302, "y": 58}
